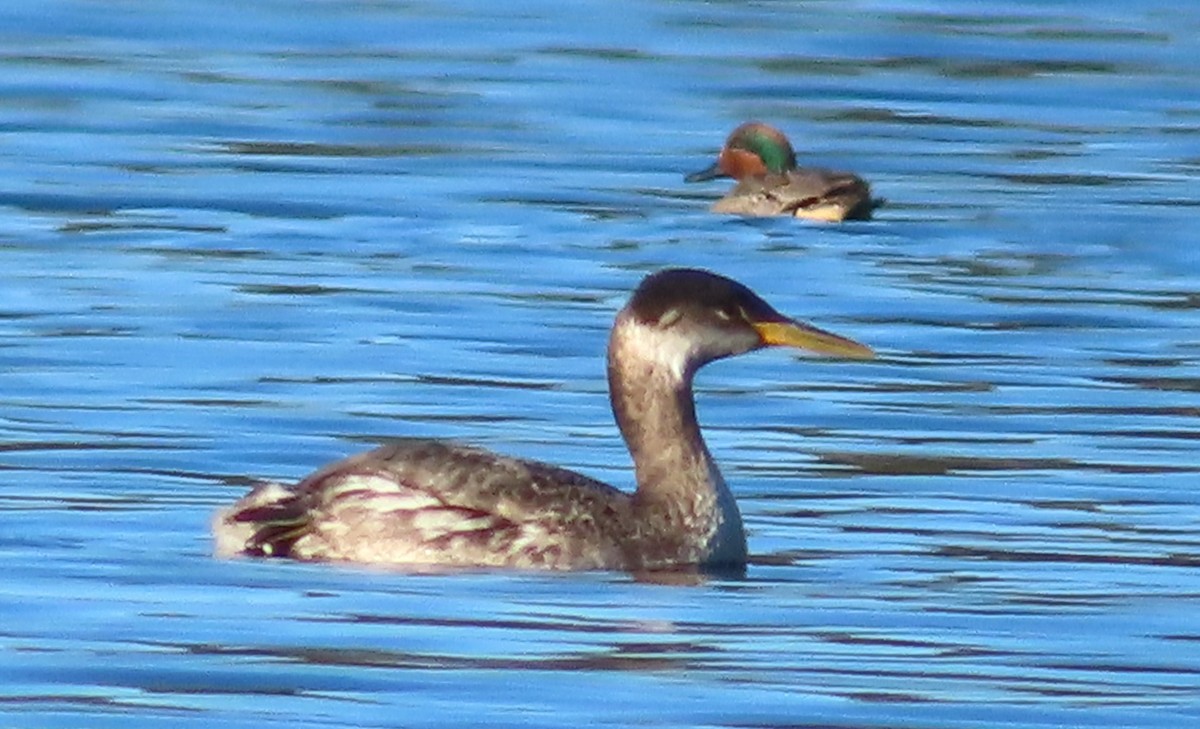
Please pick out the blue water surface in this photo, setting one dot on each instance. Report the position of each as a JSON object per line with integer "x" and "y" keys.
{"x": 239, "y": 240}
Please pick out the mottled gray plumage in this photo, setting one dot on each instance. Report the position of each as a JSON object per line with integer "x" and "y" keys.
{"x": 433, "y": 503}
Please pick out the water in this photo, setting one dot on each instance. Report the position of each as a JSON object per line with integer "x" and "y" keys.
{"x": 240, "y": 240}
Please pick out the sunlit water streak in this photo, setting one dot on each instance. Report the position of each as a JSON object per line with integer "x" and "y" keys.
{"x": 239, "y": 241}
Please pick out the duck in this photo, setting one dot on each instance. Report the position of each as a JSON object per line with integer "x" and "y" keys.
{"x": 769, "y": 183}
{"x": 415, "y": 503}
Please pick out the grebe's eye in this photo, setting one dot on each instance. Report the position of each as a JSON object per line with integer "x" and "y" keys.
{"x": 732, "y": 312}
{"x": 669, "y": 317}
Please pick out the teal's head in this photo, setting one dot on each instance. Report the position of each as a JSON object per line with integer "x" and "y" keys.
{"x": 753, "y": 149}
{"x": 767, "y": 142}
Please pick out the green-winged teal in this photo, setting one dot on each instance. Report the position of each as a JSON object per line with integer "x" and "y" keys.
{"x": 762, "y": 161}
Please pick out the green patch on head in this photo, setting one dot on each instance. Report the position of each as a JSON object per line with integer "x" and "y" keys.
{"x": 770, "y": 146}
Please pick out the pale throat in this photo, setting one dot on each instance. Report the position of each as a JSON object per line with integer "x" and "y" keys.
{"x": 650, "y": 377}
{"x": 650, "y": 373}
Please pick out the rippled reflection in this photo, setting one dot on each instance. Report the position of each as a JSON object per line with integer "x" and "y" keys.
{"x": 240, "y": 243}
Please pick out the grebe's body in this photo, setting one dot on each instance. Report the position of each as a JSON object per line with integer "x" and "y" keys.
{"x": 433, "y": 503}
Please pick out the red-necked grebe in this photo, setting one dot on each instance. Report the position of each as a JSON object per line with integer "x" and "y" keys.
{"x": 432, "y": 503}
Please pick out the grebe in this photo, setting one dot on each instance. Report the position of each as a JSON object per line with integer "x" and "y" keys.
{"x": 433, "y": 503}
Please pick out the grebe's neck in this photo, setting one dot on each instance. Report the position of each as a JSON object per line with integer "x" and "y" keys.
{"x": 679, "y": 488}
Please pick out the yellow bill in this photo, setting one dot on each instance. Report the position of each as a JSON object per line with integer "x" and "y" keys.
{"x": 805, "y": 336}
